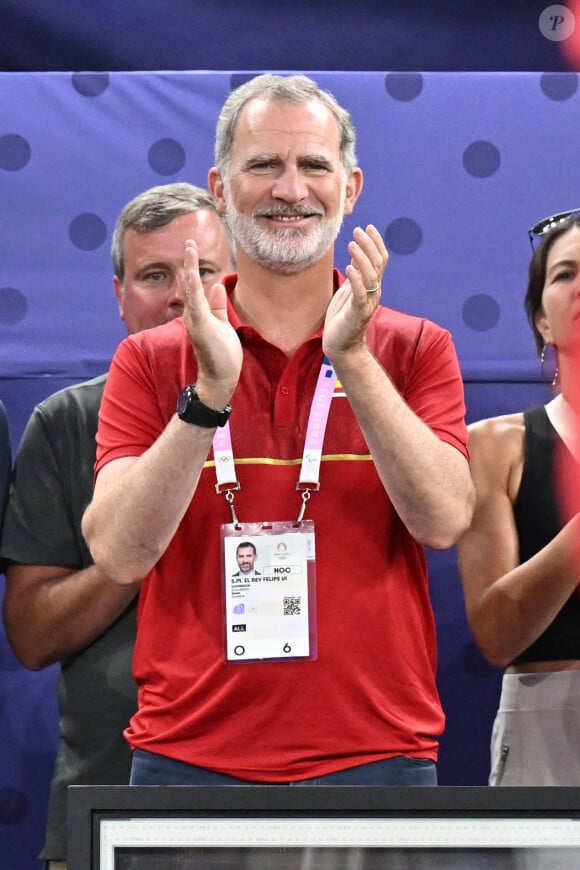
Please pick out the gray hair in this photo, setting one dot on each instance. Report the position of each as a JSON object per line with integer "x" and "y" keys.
{"x": 297, "y": 90}
{"x": 157, "y": 207}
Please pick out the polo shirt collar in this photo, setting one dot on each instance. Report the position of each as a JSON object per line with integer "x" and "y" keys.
{"x": 229, "y": 283}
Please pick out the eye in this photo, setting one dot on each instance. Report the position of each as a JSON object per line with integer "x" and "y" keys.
{"x": 565, "y": 275}
{"x": 206, "y": 272}
{"x": 261, "y": 166}
{"x": 155, "y": 277}
{"x": 315, "y": 166}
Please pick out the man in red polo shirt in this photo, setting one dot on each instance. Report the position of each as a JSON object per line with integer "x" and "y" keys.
{"x": 344, "y": 454}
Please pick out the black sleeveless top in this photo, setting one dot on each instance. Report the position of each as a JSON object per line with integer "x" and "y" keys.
{"x": 538, "y": 519}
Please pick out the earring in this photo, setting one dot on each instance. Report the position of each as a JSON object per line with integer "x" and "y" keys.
{"x": 556, "y": 373}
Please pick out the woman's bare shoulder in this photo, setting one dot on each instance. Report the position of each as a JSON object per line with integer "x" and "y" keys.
{"x": 496, "y": 447}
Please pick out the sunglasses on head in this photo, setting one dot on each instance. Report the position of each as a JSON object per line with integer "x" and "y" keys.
{"x": 536, "y": 232}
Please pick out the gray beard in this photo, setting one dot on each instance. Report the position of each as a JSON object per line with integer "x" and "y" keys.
{"x": 288, "y": 250}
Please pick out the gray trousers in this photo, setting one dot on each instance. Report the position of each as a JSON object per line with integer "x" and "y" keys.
{"x": 536, "y": 734}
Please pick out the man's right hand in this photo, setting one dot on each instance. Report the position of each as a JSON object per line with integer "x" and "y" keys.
{"x": 214, "y": 340}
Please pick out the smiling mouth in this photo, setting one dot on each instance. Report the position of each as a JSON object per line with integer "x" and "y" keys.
{"x": 286, "y": 216}
{"x": 298, "y": 222}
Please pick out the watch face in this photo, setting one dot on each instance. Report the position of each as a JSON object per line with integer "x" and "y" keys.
{"x": 183, "y": 401}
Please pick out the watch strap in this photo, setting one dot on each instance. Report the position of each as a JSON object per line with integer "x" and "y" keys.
{"x": 191, "y": 410}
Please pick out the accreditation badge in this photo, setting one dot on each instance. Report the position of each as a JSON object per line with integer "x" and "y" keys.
{"x": 269, "y": 582}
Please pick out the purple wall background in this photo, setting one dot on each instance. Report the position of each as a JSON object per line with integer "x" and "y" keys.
{"x": 457, "y": 166}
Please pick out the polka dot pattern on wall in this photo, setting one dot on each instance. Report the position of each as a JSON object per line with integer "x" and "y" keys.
{"x": 559, "y": 86}
{"x": 425, "y": 136}
{"x": 481, "y": 312}
{"x": 403, "y": 236}
{"x": 405, "y": 86}
{"x": 13, "y": 306}
{"x": 166, "y": 157}
{"x": 87, "y": 232}
{"x": 15, "y": 152}
{"x": 424, "y": 132}
{"x": 481, "y": 159}
{"x": 90, "y": 84}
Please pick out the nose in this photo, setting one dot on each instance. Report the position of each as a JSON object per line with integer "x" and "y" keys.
{"x": 290, "y": 185}
{"x": 175, "y": 296}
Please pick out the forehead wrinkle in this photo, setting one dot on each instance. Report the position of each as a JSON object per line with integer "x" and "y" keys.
{"x": 256, "y": 122}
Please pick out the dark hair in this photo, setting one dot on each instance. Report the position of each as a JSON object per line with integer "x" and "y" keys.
{"x": 537, "y": 275}
{"x": 246, "y": 544}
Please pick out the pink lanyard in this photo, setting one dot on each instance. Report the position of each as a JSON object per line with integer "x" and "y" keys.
{"x": 308, "y": 481}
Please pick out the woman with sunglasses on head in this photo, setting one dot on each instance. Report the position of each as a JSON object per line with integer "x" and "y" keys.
{"x": 517, "y": 561}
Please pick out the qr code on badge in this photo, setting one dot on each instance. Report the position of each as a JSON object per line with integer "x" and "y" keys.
{"x": 292, "y": 605}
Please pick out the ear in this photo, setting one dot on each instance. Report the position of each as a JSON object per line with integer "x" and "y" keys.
{"x": 216, "y": 188}
{"x": 118, "y": 288}
{"x": 354, "y": 186}
{"x": 543, "y": 326}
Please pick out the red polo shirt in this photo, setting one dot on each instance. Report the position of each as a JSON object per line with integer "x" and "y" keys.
{"x": 371, "y": 692}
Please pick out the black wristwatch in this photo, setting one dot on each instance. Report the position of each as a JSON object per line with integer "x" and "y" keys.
{"x": 191, "y": 410}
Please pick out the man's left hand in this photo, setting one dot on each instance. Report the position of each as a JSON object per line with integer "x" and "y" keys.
{"x": 353, "y": 304}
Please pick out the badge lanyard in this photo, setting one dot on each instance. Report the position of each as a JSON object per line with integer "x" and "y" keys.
{"x": 270, "y": 611}
{"x": 309, "y": 479}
